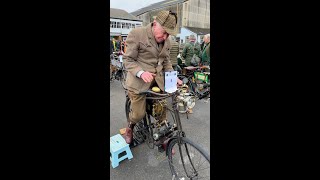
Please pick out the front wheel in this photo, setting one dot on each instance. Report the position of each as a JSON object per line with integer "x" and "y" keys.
{"x": 187, "y": 160}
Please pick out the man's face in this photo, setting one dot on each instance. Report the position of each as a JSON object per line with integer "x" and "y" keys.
{"x": 159, "y": 33}
{"x": 206, "y": 40}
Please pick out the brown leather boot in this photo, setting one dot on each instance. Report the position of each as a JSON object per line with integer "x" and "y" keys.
{"x": 128, "y": 136}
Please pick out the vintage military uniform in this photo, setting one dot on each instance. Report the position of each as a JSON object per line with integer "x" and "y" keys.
{"x": 188, "y": 51}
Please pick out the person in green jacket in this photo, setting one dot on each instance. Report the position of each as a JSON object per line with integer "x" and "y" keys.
{"x": 189, "y": 50}
{"x": 205, "y": 54}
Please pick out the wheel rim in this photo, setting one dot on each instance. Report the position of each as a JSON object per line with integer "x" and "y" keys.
{"x": 192, "y": 166}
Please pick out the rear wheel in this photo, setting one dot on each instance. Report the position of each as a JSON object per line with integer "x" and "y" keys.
{"x": 187, "y": 160}
{"x": 142, "y": 131}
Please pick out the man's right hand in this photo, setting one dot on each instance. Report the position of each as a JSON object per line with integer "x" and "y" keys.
{"x": 147, "y": 76}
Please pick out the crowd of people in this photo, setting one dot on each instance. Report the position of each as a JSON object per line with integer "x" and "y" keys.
{"x": 191, "y": 53}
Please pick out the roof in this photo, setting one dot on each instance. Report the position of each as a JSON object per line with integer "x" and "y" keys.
{"x": 157, "y": 5}
{"x": 198, "y": 31}
{"x": 122, "y": 14}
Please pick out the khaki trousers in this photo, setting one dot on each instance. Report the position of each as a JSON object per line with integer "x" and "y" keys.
{"x": 138, "y": 107}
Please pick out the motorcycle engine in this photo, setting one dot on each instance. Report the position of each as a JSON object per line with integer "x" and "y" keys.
{"x": 156, "y": 108}
{"x": 185, "y": 99}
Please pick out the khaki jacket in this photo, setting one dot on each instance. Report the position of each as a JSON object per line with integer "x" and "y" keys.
{"x": 143, "y": 53}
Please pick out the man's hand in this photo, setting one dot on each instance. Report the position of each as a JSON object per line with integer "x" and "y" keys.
{"x": 179, "y": 82}
{"x": 147, "y": 76}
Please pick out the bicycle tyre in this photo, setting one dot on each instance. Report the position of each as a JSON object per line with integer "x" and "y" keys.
{"x": 178, "y": 171}
{"x": 127, "y": 108}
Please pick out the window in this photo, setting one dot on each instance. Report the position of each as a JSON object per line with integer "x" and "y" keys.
{"x": 123, "y": 25}
{"x": 118, "y": 24}
{"x": 112, "y": 24}
{"x": 127, "y": 25}
{"x": 133, "y": 26}
{"x": 138, "y": 25}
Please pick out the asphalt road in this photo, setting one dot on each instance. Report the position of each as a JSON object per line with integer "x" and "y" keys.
{"x": 148, "y": 163}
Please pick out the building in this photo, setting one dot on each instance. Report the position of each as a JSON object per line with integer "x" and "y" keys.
{"x": 193, "y": 16}
{"x": 121, "y": 23}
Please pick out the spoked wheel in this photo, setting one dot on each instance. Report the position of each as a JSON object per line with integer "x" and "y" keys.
{"x": 187, "y": 160}
{"x": 128, "y": 108}
{"x": 138, "y": 133}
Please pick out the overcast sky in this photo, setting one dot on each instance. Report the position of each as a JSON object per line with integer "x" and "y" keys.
{"x": 131, "y": 5}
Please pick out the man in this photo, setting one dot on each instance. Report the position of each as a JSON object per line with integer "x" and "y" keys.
{"x": 146, "y": 59}
{"x": 174, "y": 51}
{"x": 189, "y": 50}
{"x": 205, "y": 56}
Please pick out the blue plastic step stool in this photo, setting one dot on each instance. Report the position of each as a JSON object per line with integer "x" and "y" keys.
{"x": 117, "y": 146}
